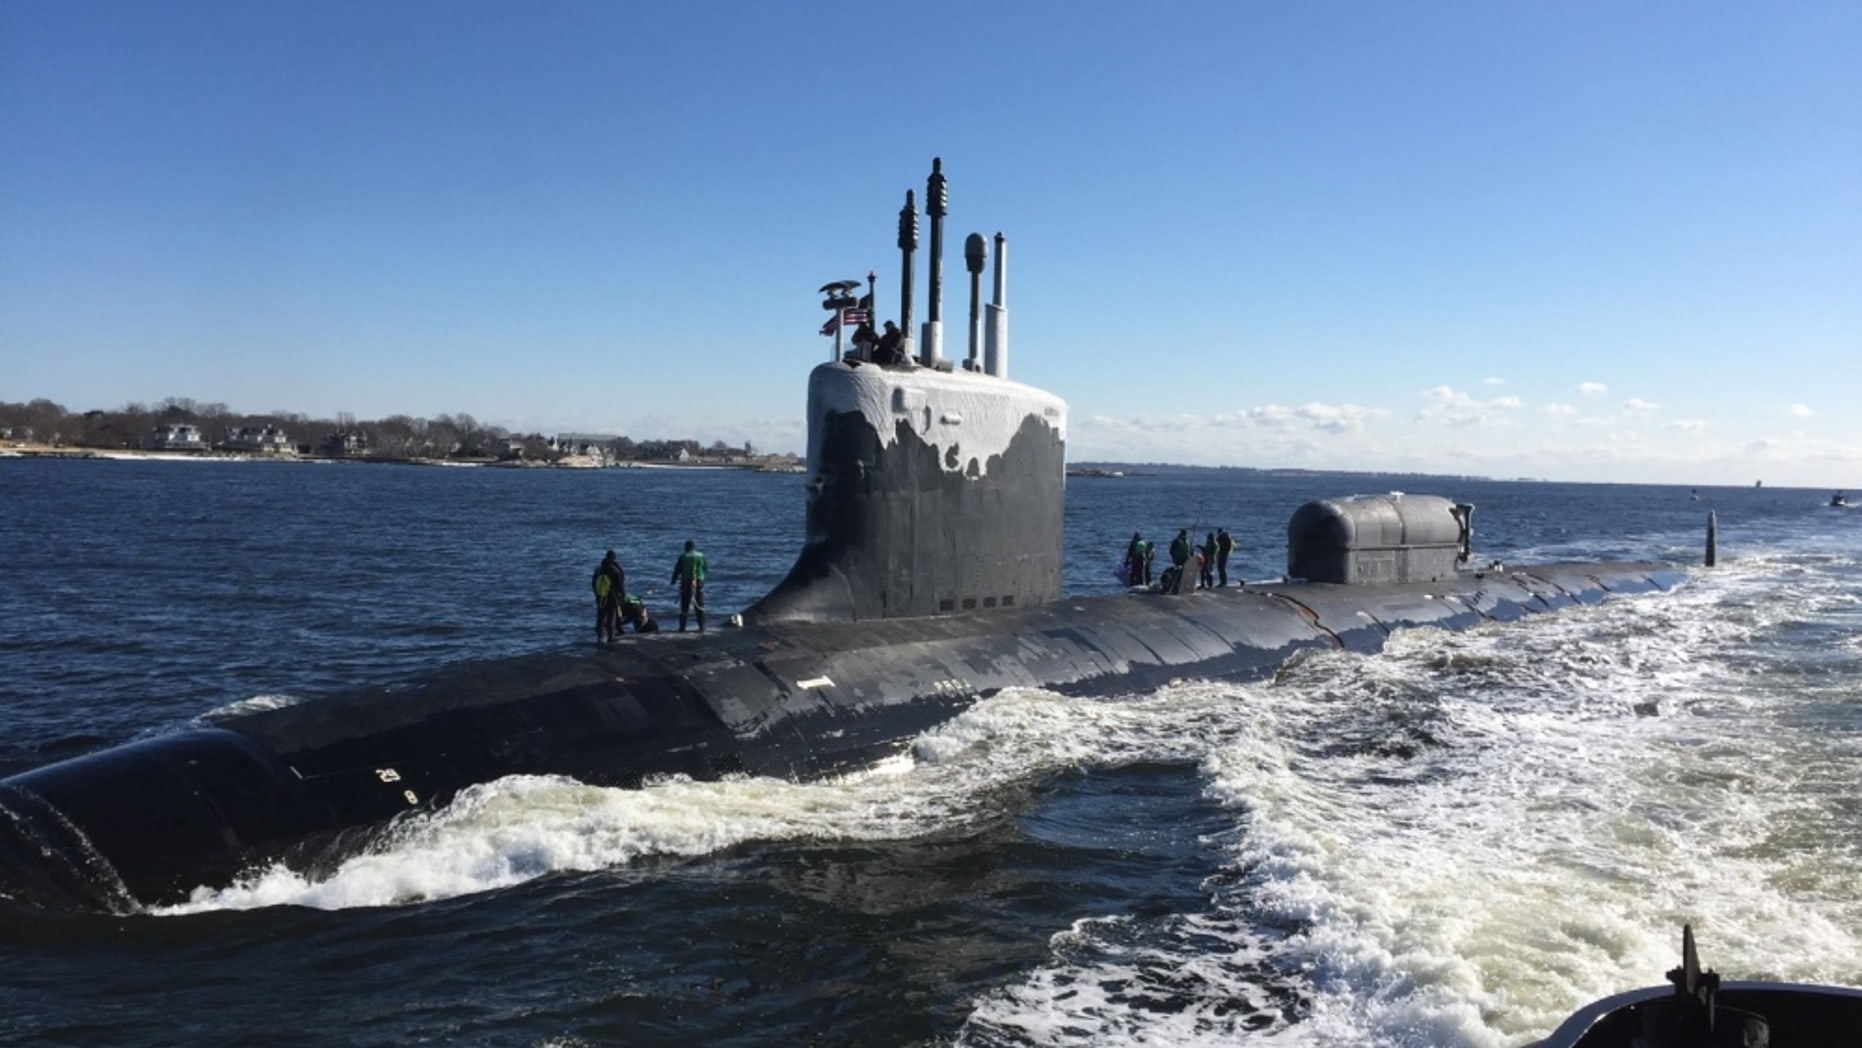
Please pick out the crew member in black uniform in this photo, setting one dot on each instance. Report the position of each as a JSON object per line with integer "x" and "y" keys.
{"x": 610, "y": 584}
{"x": 891, "y": 346}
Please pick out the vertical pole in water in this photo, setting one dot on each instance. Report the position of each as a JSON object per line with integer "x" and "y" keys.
{"x": 1713, "y": 540}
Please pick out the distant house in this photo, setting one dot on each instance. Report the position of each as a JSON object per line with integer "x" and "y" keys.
{"x": 258, "y": 440}
{"x": 347, "y": 443}
{"x": 584, "y": 445}
{"x": 174, "y": 437}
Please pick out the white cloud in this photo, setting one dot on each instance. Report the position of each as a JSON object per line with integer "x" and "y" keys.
{"x": 1327, "y": 418}
{"x": 1337, "y": 418}
{"x": 1493, "y": 381}
{"x": 1688, "y": 425}
{"x": 1453, "y": 407}
{"x": 1272, "y": 416}
{"x": 1559, "y": 410}
{"x": 1592, "y": 389}
{"x": 1167, "y": 423}
{"x": 1799, "y": 411}
{"x": 1640, "y": 406}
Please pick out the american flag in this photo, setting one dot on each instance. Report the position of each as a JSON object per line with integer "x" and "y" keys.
{"x": 856, "y": 317}
{"x": 832, "y": 325}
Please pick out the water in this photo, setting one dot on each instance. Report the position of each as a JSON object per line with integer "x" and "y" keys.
{"x": 1452, "y": 843}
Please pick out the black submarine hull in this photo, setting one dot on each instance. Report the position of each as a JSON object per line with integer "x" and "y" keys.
{"x": 306, "y": 784}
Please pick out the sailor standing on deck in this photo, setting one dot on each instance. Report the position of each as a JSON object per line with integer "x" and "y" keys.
{"x": 1209, "y": 552}
{"x": 610, "y": 584}
{"x": 1223, "y": 547}
{"x": 689, "y": 572}
{"x": 1180, "y": 548}
{"x": 1138, "y": 561}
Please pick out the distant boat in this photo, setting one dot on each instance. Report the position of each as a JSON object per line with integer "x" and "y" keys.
{"x": 1693, "y": 495}
{"x": 1839, "y": 500}
{"x": 1758, "y": 483}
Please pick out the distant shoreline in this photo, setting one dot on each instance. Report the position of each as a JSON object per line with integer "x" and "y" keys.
{"x": 1088, "y": 470}
{"x": 60, "y": 452}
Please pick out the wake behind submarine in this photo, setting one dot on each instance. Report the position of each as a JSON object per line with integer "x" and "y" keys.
{"x": 929, "y": 579}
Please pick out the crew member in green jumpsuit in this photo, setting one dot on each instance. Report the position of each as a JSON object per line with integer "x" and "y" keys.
{"x": 689, "y": 572}
{"x": 1138, "y": 561}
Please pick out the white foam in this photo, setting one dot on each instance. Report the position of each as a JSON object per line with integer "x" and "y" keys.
{"x": 1470, "y": 835}
{"x": 1188, "y": 980}
{"x": 1549, "y": 854}
{"x": 518, "y": 828}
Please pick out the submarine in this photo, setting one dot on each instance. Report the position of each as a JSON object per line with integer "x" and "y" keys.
{"x": 929, "y": 578}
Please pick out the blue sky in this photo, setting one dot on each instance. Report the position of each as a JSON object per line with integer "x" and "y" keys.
{"x": 1584, "y": 240}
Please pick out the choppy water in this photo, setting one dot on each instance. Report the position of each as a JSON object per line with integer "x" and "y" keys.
{"x": 1453, "y": 843}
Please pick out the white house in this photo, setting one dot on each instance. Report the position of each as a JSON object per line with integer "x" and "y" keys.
{"x": 174, "y": 437}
